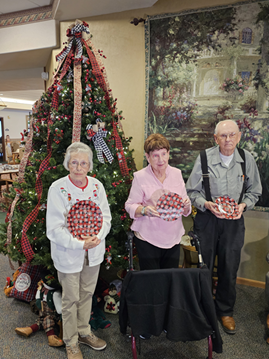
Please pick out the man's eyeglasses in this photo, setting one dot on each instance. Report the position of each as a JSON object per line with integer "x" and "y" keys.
{"x": 82, "y": 164}
{"x": 224, "y": 136}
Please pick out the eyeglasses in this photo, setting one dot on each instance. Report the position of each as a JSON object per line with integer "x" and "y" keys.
{"x": 82, "y": 164}
{"x": 224, "y": 136}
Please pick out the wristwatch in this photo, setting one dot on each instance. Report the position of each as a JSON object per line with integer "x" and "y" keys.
{"x": 143, "y": 211}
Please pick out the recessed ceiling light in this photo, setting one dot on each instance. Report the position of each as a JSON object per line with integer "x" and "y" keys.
{"x": 26, "y": 102}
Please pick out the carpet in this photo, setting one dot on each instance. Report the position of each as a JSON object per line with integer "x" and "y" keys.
{"x": 247, "y": 343}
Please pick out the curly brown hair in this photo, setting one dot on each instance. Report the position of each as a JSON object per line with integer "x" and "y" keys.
{"x": 156, "y": 141}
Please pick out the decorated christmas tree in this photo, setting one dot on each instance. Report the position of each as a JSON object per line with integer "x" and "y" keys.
{"x": 78, "y": 107}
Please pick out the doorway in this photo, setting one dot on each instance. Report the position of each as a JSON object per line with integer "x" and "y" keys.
{"x": 2, "y": 141}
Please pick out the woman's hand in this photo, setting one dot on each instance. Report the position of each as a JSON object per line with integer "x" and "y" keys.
{"x": 151, "y": 211}
{"x": 186, "y": 206}
{"x": 90, "y": 241}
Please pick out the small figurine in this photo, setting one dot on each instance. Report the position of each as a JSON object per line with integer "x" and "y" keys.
{"x": 112, "y": 300}
{"x": 49, "y": 303}
{"x": 10, "y": 283}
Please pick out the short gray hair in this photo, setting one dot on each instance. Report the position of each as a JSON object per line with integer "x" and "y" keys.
{"x": 77, "y": 147}
{"x": 217, "y": 126}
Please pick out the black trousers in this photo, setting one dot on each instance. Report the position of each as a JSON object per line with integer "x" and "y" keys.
{"x": 152, "y": 257}
{"x": 224, "y": 238}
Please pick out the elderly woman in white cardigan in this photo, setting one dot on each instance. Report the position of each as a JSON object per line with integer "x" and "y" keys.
{"x": 77, "y": 258}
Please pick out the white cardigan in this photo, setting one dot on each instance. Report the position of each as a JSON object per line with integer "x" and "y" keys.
{"x": 67, "y": 251}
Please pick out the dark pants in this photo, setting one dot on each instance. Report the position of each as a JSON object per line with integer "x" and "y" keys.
{"x": 152, "y": 257}
{"x": 224, "y": 238}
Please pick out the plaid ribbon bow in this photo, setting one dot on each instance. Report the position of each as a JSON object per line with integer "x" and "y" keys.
{"x": 99, "y": 144}
{"x": 76, "y": 34}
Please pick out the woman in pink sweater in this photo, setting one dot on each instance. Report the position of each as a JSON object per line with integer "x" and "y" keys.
{"x": 157, "y": 240}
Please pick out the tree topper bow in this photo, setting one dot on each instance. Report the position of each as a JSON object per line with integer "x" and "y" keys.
{"x": 74, "y": 34}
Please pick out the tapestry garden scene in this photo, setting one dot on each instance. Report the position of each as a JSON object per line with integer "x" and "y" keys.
{"x": 77, "y": 107}
{"x": 206, "y": 66}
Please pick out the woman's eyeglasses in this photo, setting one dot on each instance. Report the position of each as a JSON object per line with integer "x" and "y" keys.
{"x": 82, "y": 164}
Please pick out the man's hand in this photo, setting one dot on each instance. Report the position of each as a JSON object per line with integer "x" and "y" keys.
{"x": 90, "y": 241}
{"x": 213, "y": 208}
{"x": 241, "y": 208}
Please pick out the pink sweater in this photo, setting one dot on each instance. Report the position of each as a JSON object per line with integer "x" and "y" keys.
{"x": 146, "y": 190}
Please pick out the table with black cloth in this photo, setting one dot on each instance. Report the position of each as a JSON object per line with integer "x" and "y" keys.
{"x": 176, "y": 300}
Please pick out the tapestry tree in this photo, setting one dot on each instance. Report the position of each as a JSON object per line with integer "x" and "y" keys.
{"x": 180, "y": 39}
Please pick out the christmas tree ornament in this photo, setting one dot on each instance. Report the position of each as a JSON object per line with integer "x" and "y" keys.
{"x": 88, "y": 88}
{"x": 96, "y": 133}
{"x": 84, "y": 59}
{"x": 108, "y": 259}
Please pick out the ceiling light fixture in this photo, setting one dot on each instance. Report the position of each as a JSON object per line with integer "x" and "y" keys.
{"x": 2, "y": 105}
{"x": 26, "y": 102}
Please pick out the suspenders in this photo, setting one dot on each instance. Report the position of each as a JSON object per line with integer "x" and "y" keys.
{"x": 243, "y": 165}
{"x": 206, "y": 174}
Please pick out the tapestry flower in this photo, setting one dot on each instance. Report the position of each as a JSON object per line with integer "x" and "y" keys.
{"x": 234, "y": 85}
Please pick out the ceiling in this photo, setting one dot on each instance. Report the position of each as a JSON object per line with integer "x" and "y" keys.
{"x": 20, "y": 71}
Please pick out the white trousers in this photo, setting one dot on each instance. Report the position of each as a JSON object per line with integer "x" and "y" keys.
{"x": 78, "y": 289}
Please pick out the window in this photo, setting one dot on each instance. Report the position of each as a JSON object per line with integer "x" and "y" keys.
{"x": 246, "y": 36}
{"x": 246, "y": 75}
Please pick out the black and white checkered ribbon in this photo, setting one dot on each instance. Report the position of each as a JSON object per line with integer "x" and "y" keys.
{"x": 99, "y": 143}
{"x": 76, "y": 34}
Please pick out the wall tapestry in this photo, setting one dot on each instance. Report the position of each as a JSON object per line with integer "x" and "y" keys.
{"x": 205, "y": 66}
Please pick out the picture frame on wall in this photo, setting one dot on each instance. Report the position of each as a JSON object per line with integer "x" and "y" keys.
{"x": 205, "y": 66}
